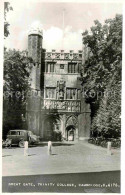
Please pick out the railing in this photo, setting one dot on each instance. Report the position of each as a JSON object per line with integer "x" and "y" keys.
{"x": 62, "y": 105}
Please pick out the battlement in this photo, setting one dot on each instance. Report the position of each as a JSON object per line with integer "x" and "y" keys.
{"x": 62, "y": 55}
{"x": 62, "y": 51}
{"x": 35, "y": 31}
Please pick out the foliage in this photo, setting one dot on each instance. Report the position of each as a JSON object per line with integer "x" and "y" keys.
{"x": 7, "y": 8}
{"x": 16, "y": 84}
{"x": 107, "y": 119}
{"x": 101, "y": 141}
{"x": 102, "y": 76}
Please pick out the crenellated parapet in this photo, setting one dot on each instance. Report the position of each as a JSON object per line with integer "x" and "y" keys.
{"x": 62, "y": 55}
{"x": 35, "y": 31}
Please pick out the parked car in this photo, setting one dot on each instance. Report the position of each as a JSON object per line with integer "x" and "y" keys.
{"x": 19, "y": 136}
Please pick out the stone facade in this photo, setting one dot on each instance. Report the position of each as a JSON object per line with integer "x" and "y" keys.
{"x": 56, "y": 90}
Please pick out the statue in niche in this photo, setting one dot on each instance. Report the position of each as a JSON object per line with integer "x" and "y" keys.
{"x": 61, "y": 94}
{"x": 61, "y": 89}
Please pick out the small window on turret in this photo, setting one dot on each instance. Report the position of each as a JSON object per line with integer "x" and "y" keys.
{"x": 61, "y": 66}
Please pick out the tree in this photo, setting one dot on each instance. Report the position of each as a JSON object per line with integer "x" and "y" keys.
{"x": 107, "y": 118}
{"x": 16, "y": 84}
{"x": 103, "y": 72}
{"x": 7, "y": 8}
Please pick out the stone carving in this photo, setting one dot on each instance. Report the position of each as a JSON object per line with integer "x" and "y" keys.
{"x": 66, "y": 105}
{"x": 57, "y": 55}
{"x": 48, "y": 55}
{"x": 75, "y": 56}
{"x": 66, "y": 56}
{"x": 61, "y": 89}
{"x": 72, "y": 121}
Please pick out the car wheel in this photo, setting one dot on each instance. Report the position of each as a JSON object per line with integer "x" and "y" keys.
{"x": 21, "y": 144}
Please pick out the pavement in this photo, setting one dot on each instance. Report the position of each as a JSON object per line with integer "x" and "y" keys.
{"x": 72, "y": 167}
{"x": 68, "y": 157}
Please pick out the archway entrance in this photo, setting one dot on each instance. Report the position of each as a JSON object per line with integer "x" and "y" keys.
{"x": 71, "y": 128}
{"x": 71, "y": 132}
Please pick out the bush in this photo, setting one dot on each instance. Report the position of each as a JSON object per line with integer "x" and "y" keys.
{"x": 100, "y": 141}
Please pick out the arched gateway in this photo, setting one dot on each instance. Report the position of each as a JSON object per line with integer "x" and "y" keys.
{"x": 72, "y": 128}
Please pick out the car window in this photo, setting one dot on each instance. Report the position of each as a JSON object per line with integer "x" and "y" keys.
{"x": 18, "y": 133}
{"x": 13, "y": 133}
{"x": 21, "y": 133}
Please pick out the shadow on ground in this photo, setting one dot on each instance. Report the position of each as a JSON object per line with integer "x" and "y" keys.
{"x": 42, "y": 145}
{"x": 53, "y": 144}
{"x": 6, "y": 155}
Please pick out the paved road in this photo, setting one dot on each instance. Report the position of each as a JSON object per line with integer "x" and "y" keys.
{"x": 70, "y": 163}
{"x": 66, "y": 158}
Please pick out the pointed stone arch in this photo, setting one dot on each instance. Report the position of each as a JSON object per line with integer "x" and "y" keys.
{"x": 71, "y": 128}
{"x": 71, "y": 120}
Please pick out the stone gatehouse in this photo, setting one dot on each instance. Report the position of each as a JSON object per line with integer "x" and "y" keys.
{"x": 56, "y": 90}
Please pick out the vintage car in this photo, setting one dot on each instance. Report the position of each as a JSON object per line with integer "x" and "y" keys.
{"x": 18, "y": 137}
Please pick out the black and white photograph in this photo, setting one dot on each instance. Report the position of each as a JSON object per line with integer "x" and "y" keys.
{"x": 62, "y": 81}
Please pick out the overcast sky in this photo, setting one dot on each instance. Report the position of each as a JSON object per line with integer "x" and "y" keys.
{"x": 49, "y": 16}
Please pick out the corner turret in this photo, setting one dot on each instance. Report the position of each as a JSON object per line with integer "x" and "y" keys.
{"x": 35, "y": 37}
